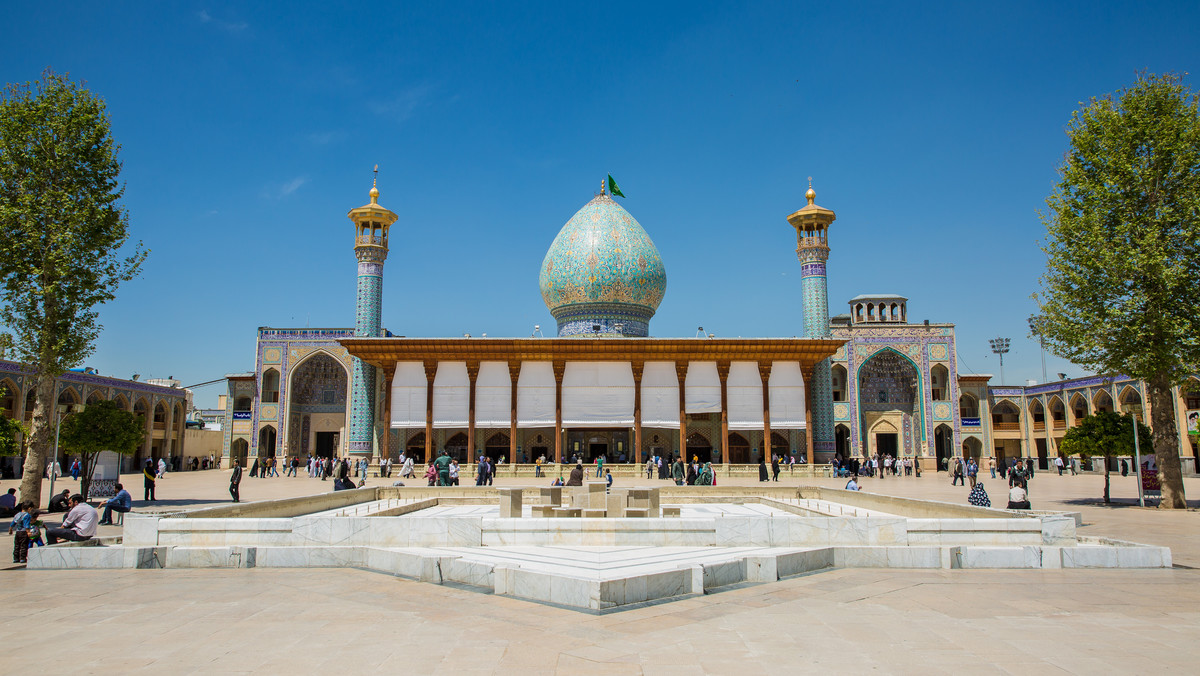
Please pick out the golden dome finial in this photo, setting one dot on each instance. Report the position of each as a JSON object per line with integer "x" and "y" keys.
{"x": 602, "y": 187}
{"x": 375, "y": 186}
{"x": 811, "y": 195}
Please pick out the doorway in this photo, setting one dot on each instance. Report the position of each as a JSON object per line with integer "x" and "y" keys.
{"x": 326, "y": 442}
{"x": 886, "y": 443}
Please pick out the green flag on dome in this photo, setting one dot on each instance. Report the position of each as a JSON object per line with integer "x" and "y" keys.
{"x": 612, "y": 187}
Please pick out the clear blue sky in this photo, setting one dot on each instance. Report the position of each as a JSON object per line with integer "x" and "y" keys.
{"x": 933, "y": 130}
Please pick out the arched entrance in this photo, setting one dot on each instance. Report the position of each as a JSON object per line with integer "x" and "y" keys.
{"x": 943, "y": 445}
{"x": 266, "y": 442}
{"x": 738, "y": 448}
{"x": 972, "y": 447}
{"x": 316, "y": 405}
{"x": 889, "y": 389}
{"x": 841, "y": 439}
{"x": 415, "y": 448}
{"x": 780, "y": 446}
{"x": 238, "y": 450}
{"x": 699, "y": 446}
{"x": 885, "y": 440}
{"x": 497, "y": 446}
{"x": 457, "y": 447}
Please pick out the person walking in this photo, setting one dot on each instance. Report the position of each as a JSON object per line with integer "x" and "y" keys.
{"x": 162, "y": 468}
{"x": 957, "y": 475}
{"x": 407, "y": 472}
{"x": 1058, "y": 464}
{"x": 992, "y": 465}
{"x": 148, "y": 480}
{"x": 972, "y": 471}
{"x": 235, "y": 481}
{"x": 774, "y": 468}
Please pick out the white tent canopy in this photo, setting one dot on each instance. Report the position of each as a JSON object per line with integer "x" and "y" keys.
{"x": 660, "y": 395}
{"x": 493, "y": 395}
{"x": 702, "y": 388}
{"x": 535, "y": 395}
{"x": 451, "y": 390}
{"x": 743, "y": 390}
{"x": 787, "y": 396}
{"x": 408, "y": 395}
{"x": 597, "y": 393}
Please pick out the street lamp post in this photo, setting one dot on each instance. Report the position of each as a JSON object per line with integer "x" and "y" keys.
{"x": 62, "y": 410}
{"x": 1000, "y": 347}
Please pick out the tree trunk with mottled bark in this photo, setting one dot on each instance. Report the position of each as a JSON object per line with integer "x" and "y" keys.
{"x": 1166, "y": 443}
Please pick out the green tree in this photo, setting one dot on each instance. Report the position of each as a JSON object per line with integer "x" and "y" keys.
{"x": 100, "y": 426}
{"x": 62, "y": 229}
{"x": 1120, "y": 293}
{"x": 1105, "y": 434}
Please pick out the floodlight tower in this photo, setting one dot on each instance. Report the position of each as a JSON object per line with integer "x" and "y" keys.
{"x": 1000, "y": 347}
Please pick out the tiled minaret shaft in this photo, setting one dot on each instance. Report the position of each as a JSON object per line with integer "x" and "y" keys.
{"x": 812, "y": 248}
{"x": 371, "y": 224}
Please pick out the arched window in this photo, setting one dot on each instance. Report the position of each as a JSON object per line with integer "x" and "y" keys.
{"x": 160, "y": 416}
{"x": 940, "y": 385}
{"x": 1078, "y": 407}
{"x": 1103, "y": 402}
{"x": 1038, "y": 413}
{"x": 1058, "y": 413}
{"x": 839, "y": 381}
{"x": 242, "y": 403}
{"x": 270, "y": 386}
{"x": 968, "y": 406}
{"x": 1191, "y": 394}
{"x": 8, "y": 398}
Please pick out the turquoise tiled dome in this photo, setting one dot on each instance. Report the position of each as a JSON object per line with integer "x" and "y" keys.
{"x": 602, "y": 269}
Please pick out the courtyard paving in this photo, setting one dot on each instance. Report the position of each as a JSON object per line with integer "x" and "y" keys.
{"x": 848, "y": 621}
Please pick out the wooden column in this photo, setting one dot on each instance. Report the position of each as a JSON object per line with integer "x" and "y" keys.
{"x": 764, "y": 372}
{"x": 472, "y": 374}
{"x": 559, "y": 368}
{"x": 388, "y": 374}
{"x": 514, "y": 372}
{"x": 430, "y": 373}
{"x": 723, "y": 374}
{"x": 637, "y": 411}
{"x": 681, "y": 374}
{"x": 808, "y": 425}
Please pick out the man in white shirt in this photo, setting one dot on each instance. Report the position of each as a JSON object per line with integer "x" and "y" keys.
{"x": 79, "y": 525}
{"x": 1018, "y": 498}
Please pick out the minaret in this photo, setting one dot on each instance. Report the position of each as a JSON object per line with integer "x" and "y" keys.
{"x": 812, "y": 248}
{"x": 371, "y": 223}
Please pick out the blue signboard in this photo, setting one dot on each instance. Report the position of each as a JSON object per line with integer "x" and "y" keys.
{"x": 970, "y": 422}
{"x": 241, "y": 415}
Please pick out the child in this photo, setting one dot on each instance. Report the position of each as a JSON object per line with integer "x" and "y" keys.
{"x": 26, "y": 531}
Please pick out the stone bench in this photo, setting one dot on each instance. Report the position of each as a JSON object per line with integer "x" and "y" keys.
{"x": 543, "y": 511}
{"x": 566, "y": 512}
{"x": 670, "y": 511}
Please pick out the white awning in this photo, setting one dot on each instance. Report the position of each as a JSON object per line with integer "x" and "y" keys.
{"x": 597, "y": 393}
{"x": 451, "y": 391}
{"x": 660, "y": 395}
{"x": 408, "y": 395}
{"x": 493, "y": 395}
{"x": 535, "y": 395}
{"x": 787, "y": 396}
{"x": 743, "y": 391}
{"x": 702, "y": 388}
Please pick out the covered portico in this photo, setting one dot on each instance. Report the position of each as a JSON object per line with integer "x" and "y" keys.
{"x": 602, "y": 383}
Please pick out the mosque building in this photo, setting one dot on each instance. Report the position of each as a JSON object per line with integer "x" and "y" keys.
{"x": 864, "y": 382}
